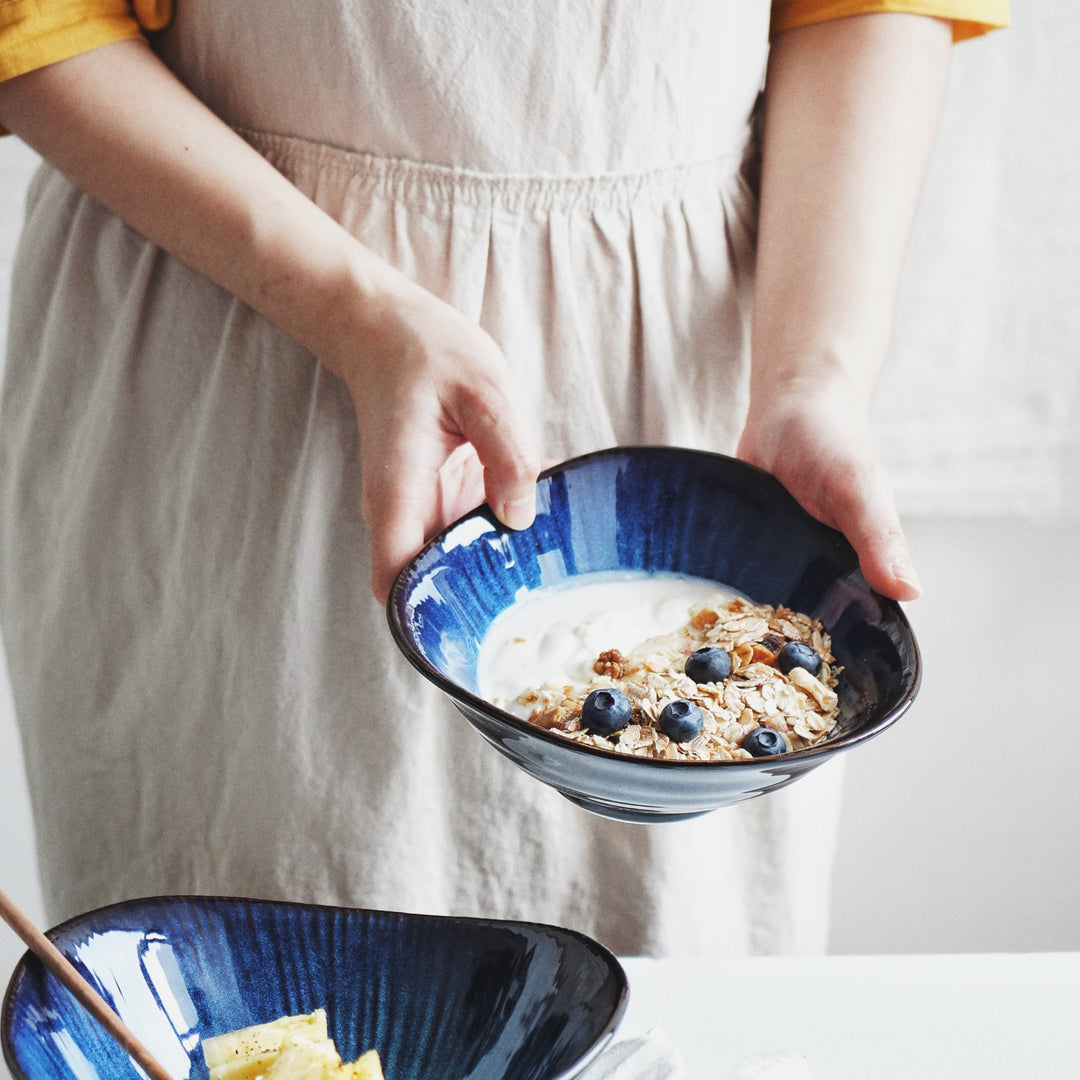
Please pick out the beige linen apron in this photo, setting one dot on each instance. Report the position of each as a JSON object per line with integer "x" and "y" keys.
{"x": 209, "y": 697}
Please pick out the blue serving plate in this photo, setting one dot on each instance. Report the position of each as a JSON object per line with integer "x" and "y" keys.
{"x": 440, "y": 998}
{"x": 654, "y": 509}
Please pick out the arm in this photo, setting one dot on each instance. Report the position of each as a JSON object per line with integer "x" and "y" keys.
{"x": 851, "y": 110}
{"x": 432, "y": 393}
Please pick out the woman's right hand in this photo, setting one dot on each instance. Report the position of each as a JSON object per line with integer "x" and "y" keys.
{"x": 440, "y": 430}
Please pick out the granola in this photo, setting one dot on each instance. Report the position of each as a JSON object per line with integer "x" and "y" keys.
{"x": 800, "y": 706}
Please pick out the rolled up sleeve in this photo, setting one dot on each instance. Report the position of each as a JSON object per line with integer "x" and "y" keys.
{"x": 35, "y": 33}
{"x": 969, "y": 18}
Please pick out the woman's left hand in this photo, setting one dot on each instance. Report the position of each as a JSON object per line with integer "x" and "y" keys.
{"x": 817, "y": 444}
{"x": 851, "y": 108}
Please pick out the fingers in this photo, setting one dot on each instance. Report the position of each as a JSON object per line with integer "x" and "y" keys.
{"x": 395, "y": 510}
{"x": 842, "y": 482}
{"x": 438, "y": 423}
{"x": 494, "y": 426}
{"x": 406, "y": 502}
{"x": 862, "y": 507}
{"x": 432, "y": 461}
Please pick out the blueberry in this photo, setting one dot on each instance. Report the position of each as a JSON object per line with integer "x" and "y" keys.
{"x": 605, "y": 711}
{"x": 798, "y": 654}
{"x": 764, "y": 742}
{"x": 711, "y": 664}
{"x": 681, "y": 720}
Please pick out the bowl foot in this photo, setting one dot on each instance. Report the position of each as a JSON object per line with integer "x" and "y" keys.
{"x": 633, "y": 814}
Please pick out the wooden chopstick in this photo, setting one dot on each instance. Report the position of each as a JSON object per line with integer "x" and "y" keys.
{"x": 83, "y": 992}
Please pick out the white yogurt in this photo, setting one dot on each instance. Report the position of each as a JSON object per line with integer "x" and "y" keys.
{"x": 555, "y": 634}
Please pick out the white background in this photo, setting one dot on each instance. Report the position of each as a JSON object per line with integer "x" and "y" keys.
{"x": 961, "y": 829}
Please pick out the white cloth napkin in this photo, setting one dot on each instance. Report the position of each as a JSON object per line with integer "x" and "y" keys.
{"x": 653, "y": 1056}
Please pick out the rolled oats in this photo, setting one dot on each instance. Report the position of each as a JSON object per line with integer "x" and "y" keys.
{"x": 800, "y": 706}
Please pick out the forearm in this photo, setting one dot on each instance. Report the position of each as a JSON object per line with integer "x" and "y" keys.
{"x": 851, "y": 111}
{"x": 123, "y": 128}
{"x": 435, "y": 407}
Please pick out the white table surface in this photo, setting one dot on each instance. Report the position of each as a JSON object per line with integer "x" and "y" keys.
{"x": 984, "y": 1017}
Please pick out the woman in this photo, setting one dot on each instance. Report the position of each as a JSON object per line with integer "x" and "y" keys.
{"x": 297, "y": 289}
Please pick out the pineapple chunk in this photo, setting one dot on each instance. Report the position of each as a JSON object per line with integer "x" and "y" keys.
{"x": 291, "y": 1048}
{"x": 248, "y": 1068}
{"x": 301, "y": 1059}
{"x": 366, "y": 1067}
{"x": 247, "y": 1054}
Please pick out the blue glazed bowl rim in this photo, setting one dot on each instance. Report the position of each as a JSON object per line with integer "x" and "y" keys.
{"x": 181, "y": 900}
{"x": 395, "y": 616}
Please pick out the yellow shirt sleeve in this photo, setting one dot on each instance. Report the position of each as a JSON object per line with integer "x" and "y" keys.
{"x": 969, "y": 18}
{"x": 34, "y": 33}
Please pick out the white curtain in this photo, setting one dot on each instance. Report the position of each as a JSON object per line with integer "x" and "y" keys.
{"x": 977, "y": 412}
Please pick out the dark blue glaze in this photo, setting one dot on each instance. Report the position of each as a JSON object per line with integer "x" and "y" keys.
{"x": 439, "y": 998}
{"x": 656, "y": 509}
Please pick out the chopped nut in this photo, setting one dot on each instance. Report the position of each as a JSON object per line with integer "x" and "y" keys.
{"x": 611, "y": 663}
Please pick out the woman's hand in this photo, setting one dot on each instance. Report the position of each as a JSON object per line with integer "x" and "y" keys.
{"x": 851, "y": 110}
{"x": 440, "y": 430}
{"x": 816, "y": 442}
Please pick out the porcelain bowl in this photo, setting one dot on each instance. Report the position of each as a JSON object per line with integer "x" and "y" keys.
{"x": 439, "y": 998}
{"x": 657, "y": 509}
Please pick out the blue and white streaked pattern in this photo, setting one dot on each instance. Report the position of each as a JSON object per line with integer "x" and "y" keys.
{"x": 439, "y": 998}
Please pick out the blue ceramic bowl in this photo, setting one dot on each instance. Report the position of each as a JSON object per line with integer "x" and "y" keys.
{"x": 439, "y": 998}
{"x": 654, "y": 509}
